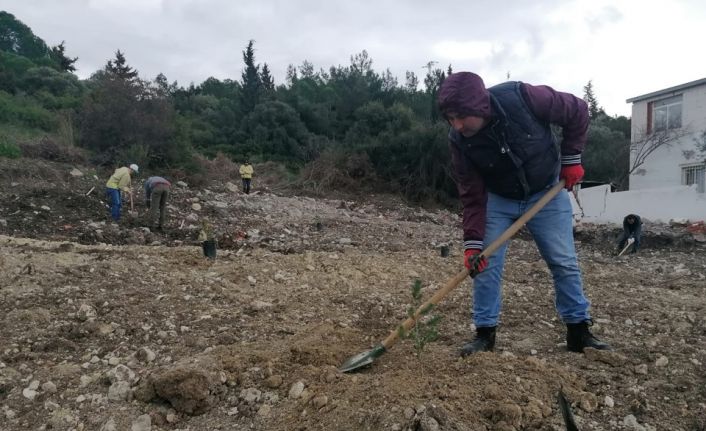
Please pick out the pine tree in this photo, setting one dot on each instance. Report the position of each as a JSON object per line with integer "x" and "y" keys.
{"x": 65, "y": 63}
{"x": 119, "y": 68}
{"x": 411, "y": 81}
{"x": 590, "y": 99}
{"x": 268, "y": 82}
{"x": 252, "y": 85}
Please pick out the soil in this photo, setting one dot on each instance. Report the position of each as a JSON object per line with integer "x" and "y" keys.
{"x": 114, "y": 327}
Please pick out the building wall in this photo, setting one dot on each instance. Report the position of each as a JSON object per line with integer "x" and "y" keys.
{"x": 662, "y": 167}
{"x": 599, "y": 205}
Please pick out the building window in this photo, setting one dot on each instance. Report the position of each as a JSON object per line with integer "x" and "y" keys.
{"x": 666, "y": 113}
{"x": 694, "y": 174}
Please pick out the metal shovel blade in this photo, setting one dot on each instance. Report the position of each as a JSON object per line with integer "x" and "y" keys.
{"x": 362, "y": 359}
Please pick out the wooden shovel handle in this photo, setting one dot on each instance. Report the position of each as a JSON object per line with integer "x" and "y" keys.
{"x": 458, "y": 278}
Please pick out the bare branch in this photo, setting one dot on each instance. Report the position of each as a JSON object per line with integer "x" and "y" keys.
{"x": 648, "y": 143}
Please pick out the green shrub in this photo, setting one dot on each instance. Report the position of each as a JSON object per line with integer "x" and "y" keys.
{"x": 9, "y": 150}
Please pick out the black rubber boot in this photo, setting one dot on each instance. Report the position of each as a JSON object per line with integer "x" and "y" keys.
{"x": 578, "y": 337}
{"x": 484, "y": 342}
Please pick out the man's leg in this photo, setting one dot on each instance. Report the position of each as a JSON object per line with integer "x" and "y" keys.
{"x": 487, "y": 297}
{"x": 115, "y": 203}
{"x": 553, "y": 232}
{"x": 154, "y": 207}
{"x": 163, "y": 207}
{"x": 636, "y": 236}
{"x": 622, "y": 240}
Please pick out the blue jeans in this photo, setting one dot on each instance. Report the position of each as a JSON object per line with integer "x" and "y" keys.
{"x": 113, "y": 196}
{"x": 553, "y": 232}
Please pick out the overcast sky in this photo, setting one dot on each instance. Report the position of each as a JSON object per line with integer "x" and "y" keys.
{"x": 626, "y": 47}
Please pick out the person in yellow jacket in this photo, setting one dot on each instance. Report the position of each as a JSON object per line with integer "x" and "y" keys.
{"x": 246, "y": 172}
{"x": 119, "y": 182}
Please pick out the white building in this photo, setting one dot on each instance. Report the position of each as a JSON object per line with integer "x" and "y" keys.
{"x": 669, "y": 183}
{"x": 679, "y": 112}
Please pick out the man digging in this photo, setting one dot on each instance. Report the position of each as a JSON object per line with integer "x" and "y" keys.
{"x": 505, "y": 159}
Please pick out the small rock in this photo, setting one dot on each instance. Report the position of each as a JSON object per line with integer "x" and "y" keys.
{"x": 662, "y": 361}
{"x": 121, "y": 373}
{"x": 258, "y": 305}
{"x": 45, "y": 208}
{"x": 34, "y": 385}
{"x": 10, "y": 414}
{"x": 172, "y": 417}
{"x": 86, "y": 312}
{"x": 196, "y": 206}
{"x": 274, "y": 381}
{"x": 28, "y": 393}
{"x": 75, "y": 173}
{"x": 409, "y": 413}
{"x": 345, "y": 241}
{"x": 641, "y": 369}
{"x": 296, "y": 390}
{"x": 428, "y": 423}
{"x": 264, "y": 410}
{"x": 608, "y": 401}
{"x": 80, "y": 399}
{"x": 319, "y": 401}
{"x": 142, "y": 423}
{"x": 145, "y": 355}
{"x": 109, "y": 425}
{"x": 250, "y": 395}
{"x": 251, "y": 279}
{"x": 113, "y": 361}
{"x": 588, "y": 402}
{"x": 631, "y": 422}
{"x": 49, "y": 387}
{"x": 119, "y": 391}
{"x": 182, "y": 184}
{"x": 231, "y": 187}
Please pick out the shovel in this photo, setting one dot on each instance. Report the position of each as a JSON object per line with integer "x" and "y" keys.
{"x": 630, "y": 241}
{"x": 366, "y": 358}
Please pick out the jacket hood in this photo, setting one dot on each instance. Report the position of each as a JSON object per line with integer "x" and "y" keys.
{"x": 464, "y": 93}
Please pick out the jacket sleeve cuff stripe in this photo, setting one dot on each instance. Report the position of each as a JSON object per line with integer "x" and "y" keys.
{"x": 574, "y": 159}
{"x": 473, "y": 245}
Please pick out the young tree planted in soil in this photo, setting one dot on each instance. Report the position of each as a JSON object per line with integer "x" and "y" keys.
{"x": 425, "y": 329}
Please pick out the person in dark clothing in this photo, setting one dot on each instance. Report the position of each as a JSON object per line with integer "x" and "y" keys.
{"x": 156, "y": 195}
{"x": 505, "y": 158}
{"x": 632, "y": 228}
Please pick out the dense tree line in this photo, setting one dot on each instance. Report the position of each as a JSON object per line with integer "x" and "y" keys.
{"x": 350, "y": 120}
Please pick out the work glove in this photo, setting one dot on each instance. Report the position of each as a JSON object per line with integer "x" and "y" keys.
{"x": 474, "y": 261}
{"x": 571, "y": 174}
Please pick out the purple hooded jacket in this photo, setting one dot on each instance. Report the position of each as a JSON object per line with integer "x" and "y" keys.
{"x": 464, "y": 94}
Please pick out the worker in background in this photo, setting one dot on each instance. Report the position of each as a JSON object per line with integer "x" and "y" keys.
{"x": 156, "y": 195}
{"x": 118, "y": 183}
{"x": 632, "y": 229}
{"x": 246, "y": 172}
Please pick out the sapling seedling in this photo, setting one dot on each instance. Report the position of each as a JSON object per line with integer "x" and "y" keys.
{"x": 425, "y": 329}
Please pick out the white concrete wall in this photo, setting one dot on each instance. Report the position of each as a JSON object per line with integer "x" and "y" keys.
{"x": 657, "y": 205}
{"x": 662, "y": 168}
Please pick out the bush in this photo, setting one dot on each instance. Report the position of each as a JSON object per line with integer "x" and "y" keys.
{"x": 338, "y": 170}
{"x": 48, "y": 149}
{"x": 9, "y": 150}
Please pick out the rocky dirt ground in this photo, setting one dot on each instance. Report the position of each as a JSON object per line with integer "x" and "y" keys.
{"x": 114, "y": 327}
